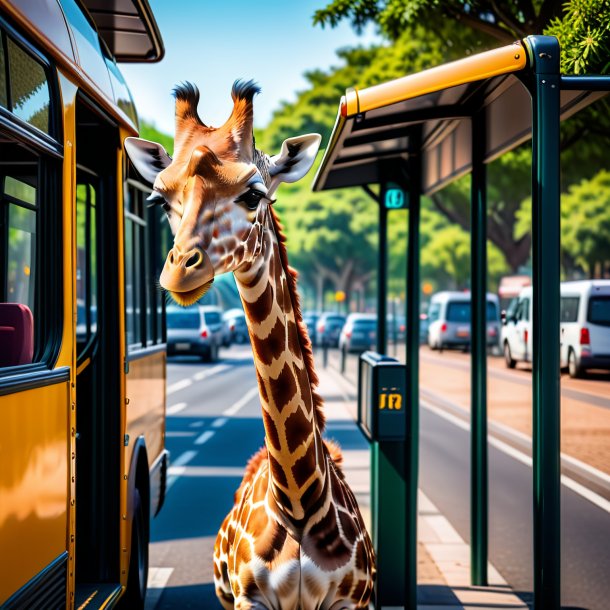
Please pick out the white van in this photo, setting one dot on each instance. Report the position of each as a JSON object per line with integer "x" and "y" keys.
{"x": 584, "y": 327}
{"x": 449, "y": 320}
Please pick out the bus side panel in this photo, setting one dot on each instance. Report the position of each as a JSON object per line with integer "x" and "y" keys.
{"x": 34, "y": 483}
{"x": 146, "y": 408}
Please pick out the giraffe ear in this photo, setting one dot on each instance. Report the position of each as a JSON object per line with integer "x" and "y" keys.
{"x": 294, "y": 160}
{"x": 149, "y": 158}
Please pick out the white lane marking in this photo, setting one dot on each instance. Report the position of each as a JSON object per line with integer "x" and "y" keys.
{"x": 219, "y": 422}
{"x": 177, "y": 467}
{"x": 196, "y": 424}
{"x": 581, "y": 490}
{"x": 219, "y": 368}
{"x": 204, "y": 437}
{"x": 242, "y": 402}
{"x": 175, "y": 408}
{"x": 179, "y": 385}
{"x": 179, "y": 434}
{"x": 157, "y": 581}
{"x": 185, "y": 383}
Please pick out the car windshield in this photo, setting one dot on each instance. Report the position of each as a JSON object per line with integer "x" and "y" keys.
{"x": 334, "y": 320}
{"x": 599, "y": 311}
{"x": 183, "y": 319}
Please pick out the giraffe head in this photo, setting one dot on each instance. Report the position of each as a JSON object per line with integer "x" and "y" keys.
{"x": 216, "y": 189}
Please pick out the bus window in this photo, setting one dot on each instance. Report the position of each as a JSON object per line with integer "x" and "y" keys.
{"x": 26, "y": 94}
{"x": 145, "y": 238}
{"x": 86, "y": 260}
{"x": 135, "y": 265}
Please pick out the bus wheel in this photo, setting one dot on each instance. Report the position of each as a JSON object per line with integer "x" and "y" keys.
{"x": 508, "y": 357}
{"x": 138, "y": 563}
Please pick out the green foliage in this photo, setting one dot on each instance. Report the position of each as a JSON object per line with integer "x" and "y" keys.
{"x": 584, "y": 34}
{"x": 585, "y": 223}
{"x": 582, "y": 26}
{"x": 150, "y": 132}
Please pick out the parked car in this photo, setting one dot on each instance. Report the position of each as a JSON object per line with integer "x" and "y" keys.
{"x": 584, "y": 327}
{"x": 359, "y": 333}
{"x": 236, "y": 323}
{"x": 310, "y": 318}
{"x": 195, "y": 330}
{"x": 449, "y": 320}
{"x": 328, "y": 328}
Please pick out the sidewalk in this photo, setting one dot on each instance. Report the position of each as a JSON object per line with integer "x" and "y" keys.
{"x": 443, "y": 569}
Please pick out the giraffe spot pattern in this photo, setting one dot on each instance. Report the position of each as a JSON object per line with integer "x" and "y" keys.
{"x": 283, "y": 388}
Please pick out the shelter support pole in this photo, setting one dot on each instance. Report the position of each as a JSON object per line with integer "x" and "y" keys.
{"x": 544, "y": 55}
{"x": 412, "y": 381}
{"x": 382, "y": 281}
{"x": 478, "y": 361}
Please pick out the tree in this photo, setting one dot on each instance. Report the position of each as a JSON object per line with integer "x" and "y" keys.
{"x": 582, "y": 26}
{"x": 585, "y": 224}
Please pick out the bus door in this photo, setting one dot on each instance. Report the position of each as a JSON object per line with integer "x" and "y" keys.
{"x": 98, "y": 356}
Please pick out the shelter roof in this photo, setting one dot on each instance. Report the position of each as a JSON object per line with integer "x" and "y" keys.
{"x": 429, "y": 113}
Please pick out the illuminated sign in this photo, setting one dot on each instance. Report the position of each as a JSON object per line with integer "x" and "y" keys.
{"x": 394, "y": 197}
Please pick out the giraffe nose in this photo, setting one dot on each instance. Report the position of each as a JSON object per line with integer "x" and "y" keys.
{"x": 184, "y": 271}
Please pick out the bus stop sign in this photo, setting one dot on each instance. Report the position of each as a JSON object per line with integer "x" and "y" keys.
{"x": 394, "y": 197}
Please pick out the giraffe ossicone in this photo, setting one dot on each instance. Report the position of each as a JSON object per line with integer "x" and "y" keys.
{"x": 295, "y": 538}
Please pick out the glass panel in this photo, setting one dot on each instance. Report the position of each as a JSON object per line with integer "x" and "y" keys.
{"x": 29, "y": 88}
{"x": 86, "y": 263}
{"x": 137, "y": 275}
{"x": 458, "y": 312}
{"x": 492, "y": 311}
{"x": 212, "y": 317}
{"x": 21, "y": 256}
{"x": 599, "y": 311}
{"x": 3, "y": 84}
{"x": 183, "y": 319}
{"x": 569, "y": 309}
{"x": 20, "y": 190}
{"x": 129, "y": 283}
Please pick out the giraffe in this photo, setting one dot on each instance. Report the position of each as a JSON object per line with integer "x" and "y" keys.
{"x": 295, "y": 538}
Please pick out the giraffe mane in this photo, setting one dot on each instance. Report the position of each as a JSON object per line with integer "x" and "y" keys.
{"x": 305, "y": 342}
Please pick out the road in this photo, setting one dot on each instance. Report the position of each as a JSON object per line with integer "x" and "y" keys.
{"x": 214, "y": 426}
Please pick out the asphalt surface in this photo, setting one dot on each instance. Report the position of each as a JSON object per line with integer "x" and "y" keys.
{"x": 209, "y": 450}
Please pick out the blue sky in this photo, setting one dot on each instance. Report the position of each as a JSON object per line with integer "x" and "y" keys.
{"x": 213, "y": 42}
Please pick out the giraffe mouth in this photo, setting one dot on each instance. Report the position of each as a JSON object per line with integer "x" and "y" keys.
{"x": 189, "y": 297}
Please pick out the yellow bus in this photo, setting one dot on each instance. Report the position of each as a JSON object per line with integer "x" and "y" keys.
{"x": 82, "y": 346}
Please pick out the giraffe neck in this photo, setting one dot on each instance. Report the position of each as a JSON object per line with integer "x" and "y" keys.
{"x": 292, "y": 428}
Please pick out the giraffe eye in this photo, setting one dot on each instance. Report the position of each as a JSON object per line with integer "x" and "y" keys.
{"x": 155, "y": 198}
{"x": 250, "y": 198}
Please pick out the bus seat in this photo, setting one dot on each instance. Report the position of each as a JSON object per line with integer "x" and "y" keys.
{"x": 16, "y": 334}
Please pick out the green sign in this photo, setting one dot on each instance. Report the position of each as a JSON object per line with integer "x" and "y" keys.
{"x": 394, "y": 198}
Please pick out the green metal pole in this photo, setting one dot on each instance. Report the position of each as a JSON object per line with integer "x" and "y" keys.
{"x": 544, "y": 59}
{"x": 382, "y": 280}
{"x": 478, "y": 360}
{"x": 412, "y": 356}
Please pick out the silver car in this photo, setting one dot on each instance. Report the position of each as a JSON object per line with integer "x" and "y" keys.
{"x": 449, "y": 320}
{"x": 196, "y": 330}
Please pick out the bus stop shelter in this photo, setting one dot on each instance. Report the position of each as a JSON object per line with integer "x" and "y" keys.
{"x": 418, "y": 133}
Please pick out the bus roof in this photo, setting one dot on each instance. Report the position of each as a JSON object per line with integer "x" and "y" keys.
{"x": 429, "y": 113}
